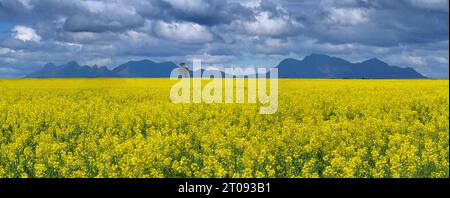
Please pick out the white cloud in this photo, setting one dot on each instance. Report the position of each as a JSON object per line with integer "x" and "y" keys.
{"x": 441, "y": 5}
{"x": 10, "y": 60}
{"x": 99, "y": 7}
{"x": 137, "y": 37}
{"x": 407, "y": 60}
{"x": 185, "y": 32}
{"x": 24, "y": 33}
{"x": 249, "y": 3}
{"x": 5, "y": 51}
{"x": 215, "y": 60}
{"x": 99, "y": 62}
{"x": 416, "y": 61}
{"x": 348, "y": 16}
{"x": 442, "y": 60}
{"x": 268, "y": 26}
{"x": 188, "y": 5}
{"x": 273, "y": 45}
{"x": 7, "y": 70}
{"x": 26, "y": 4}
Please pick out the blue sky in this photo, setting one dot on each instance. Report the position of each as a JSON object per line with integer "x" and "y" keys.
{"x": 407, "y": 33}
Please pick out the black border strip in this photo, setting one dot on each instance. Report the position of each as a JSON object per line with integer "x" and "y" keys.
{"x": 170, "y": 186}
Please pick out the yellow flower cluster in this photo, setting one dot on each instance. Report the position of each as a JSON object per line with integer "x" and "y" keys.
{"x": 129, "y": 128}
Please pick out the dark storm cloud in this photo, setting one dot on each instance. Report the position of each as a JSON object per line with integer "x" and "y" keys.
{"x": 102, "y": 23}
{"x": 380, "y": 23}
{"x": 403, "y": 32}
{"x": 206, "y": 12}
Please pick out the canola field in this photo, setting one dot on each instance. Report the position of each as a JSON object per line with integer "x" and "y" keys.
{"x": 120, "y": 128}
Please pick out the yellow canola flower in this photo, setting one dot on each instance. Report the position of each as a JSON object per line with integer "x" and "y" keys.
{"x": 121, "y": 128}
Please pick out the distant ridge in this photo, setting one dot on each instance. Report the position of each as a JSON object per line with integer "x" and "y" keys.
{"x": 312, "y": 66}
{"x": 131, "y": 69}
{"x": 144, "y": 69}
{"x": 70, "y": 70}
{"x": 323, "y": 66}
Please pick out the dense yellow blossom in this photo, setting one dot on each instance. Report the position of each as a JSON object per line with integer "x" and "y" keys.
{"x": 129, "y": 128}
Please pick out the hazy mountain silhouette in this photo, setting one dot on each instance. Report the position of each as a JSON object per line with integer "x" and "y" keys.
{"x": 70, "y": 70}
{"x": 131, "y": 69}
{"x": 313, "y": 66}
{"x": 145, "y": 69}
{"x": 323, "y": 66}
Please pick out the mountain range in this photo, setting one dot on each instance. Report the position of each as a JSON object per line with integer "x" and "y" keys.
{"x": 323, "y": 66}
{"x": 312, "y": 66}
{"x": 131, "y": 69}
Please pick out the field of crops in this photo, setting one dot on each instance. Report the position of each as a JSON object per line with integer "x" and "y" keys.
{"x": 130, "y": 128}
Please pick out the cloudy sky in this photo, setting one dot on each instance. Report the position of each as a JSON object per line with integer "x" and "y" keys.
{"x": 409, "y": 33}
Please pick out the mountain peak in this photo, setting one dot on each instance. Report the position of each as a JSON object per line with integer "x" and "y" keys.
{"x": 316, "y": 55}
{"x": 70, "y": 70}
{"x": 73, "y": 64}
{"x": 145, "y": 68}
{"x": 375, "y": 61}
{"x": 289, "y": 61}
{"x": 144, "y": 61}
{"x": 49, "y": 65}
{"x": 324, "y": 66}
